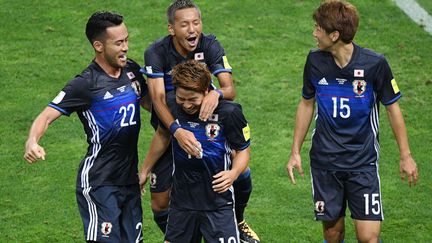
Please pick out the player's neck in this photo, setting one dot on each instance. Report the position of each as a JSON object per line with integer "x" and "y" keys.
{"x": 109, "y": 70}
{"x": 180, "y": 50}
{"x": 342, "y": 53}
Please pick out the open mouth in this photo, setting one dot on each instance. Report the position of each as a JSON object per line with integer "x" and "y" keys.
{"x": 192, "y": 40}
{"x": 123, "y": 57}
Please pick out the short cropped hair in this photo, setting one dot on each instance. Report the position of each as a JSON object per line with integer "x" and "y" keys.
{"x": 191, "y": 75}
{"x": 177, "y": 5}
{"x": 336, "y": 15}
{"x": 99, "y": 22}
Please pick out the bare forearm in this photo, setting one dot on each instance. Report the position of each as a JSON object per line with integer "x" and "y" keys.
{"x": 226, "y": 85}
{"x": 41, "y": 123}
{"x": 158, "y": 146}
{"x": 241, "y": 161}
{"x": 304, "y": 116}
{"x": 399, "y": 130}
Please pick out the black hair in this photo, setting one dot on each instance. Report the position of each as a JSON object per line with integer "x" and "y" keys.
{"x": 177, "y": 5}
{"x": 99, "y": 22}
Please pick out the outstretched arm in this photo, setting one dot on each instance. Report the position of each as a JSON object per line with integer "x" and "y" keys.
{"x": 211, "y": 100}
{"x": 407, "y": 166}
{"x": 33, "y": 151}
{"x": 304, "y": 115}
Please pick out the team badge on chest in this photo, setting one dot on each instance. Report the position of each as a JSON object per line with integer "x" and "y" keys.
{"x": 212, "y": 130}
{"x": 359, "y": 86}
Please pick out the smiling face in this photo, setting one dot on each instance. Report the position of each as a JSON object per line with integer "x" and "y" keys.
{"x": 186, "y": 30}
{"x": 115, "y": 46}
{"x": 189, "y": 100}
{"x": 324, "y": 40}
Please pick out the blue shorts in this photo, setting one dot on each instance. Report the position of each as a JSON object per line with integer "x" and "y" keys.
{"x": 332, "y": 190}
{"x": 190, "y": 226}
{"x": 111, "y": 213}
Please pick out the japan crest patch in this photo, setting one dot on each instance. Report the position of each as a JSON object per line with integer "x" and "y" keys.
{"x": 212, "y": 130}
{"x": 319, "y": 207}
{"x": 136, "y": 87}
{"x": 359, "y": 86}
{"x": 106, "y": 228}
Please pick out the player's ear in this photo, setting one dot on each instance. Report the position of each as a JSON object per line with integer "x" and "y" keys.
{"x": 171, "y": 29}
{"x": 334, "y": 36}
{"x": 98, "y": 46}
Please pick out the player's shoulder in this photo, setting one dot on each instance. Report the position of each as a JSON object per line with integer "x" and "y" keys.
{"x": 208, "y": 40}
{"x": 317, "y": 56}
{"x": 159, "y": 45}
{"x": 227, "y": 107}
{"x": 369, "y": 55}
{"x": 132, "y": 65}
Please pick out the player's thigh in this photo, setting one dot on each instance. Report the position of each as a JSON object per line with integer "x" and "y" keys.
{"x": 219, "y": 226}
{"x": 364, "y": 195}
{"x": 160, "y": 200}
{"x": 328, "y": 194}
{"x": 100, "y": 213}
{"x": 367, "y": 230}
{"x": 131, "y": 218}
{"x": 182, "y": 227}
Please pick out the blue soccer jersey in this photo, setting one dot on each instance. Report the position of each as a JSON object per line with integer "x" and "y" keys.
{"x": 347, "y": 119}
{"x": 161, "y": 57}
{"x": 227, "y": 129}
{"x": 109, "y": 110}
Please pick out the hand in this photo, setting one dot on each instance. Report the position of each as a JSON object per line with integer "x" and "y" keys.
{"x": 408, "y": 167}
{"x": 143, "y": 177}
{"x": 209, "y": 104}
{"x": 294, "y": 162}
{"x": 188, "y": 142}
{"x": 33, "y": 152}
{"x": 223, "y": 181}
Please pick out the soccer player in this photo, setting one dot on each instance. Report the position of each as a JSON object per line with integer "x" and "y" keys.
{"x": 202, "y": 200}
{"x": 347, "y": 82}
{"x": 184, "y": 42}
{"x": 106, "y": 96}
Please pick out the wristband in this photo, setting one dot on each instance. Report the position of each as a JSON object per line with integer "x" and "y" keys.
{"x": 173, "y": 127}
{"x": 220, "y": 93}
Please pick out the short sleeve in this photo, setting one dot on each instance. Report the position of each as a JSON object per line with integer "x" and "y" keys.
{"x": 153, "y": 63}
{"x": 216, "y": 59}
{"x": 75, "y": 96}
{"x": 138, "y": 76}
{"x": 237, "y": 129}
{"x": 386, "y": 86}
{"x": 308, "y": 90}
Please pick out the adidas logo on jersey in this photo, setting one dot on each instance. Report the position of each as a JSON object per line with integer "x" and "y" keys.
{"x": 107, "y": 95}
{"x": 323, "y": 81}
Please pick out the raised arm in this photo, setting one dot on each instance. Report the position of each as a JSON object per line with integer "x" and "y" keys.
{"x": 304, "y": 116}
{"x": 33, "y": 151}
{"x": 407, "y": 166}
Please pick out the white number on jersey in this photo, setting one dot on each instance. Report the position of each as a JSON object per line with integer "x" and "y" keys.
{"x": 345, "y": 110}
{"x": 124, "y": 111}
{"x": 230, "y": 240}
